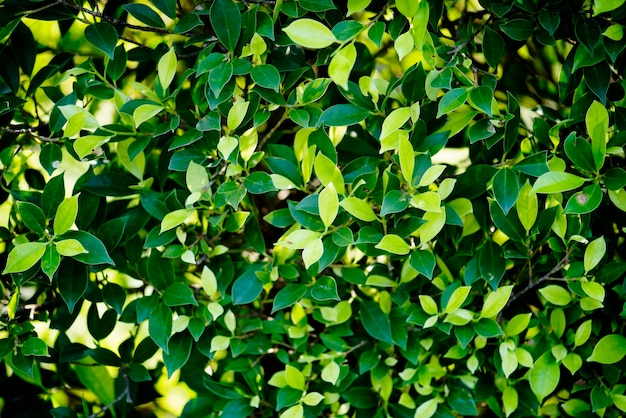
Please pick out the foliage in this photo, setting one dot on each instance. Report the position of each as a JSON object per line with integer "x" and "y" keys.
{"x": 313, "y": 208}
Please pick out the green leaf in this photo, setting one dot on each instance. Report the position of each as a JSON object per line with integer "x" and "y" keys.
{"x": 579, "y": 151}
{"x": 287, "y": 296}
{"x": 160, "y": 325}
{"x": 144, "y": 14}
{"x": 328, "y": 204}
{"x": 33, "y": 217}
{"x": 433, "y": 225}
{"x": 343, "y": 115}
{"x": 585, "y": 201}
{"x": 544, "y": 376}
{"x": 394, "y": 244}
{"x": 247, "y": 287}
{"x": 70, "y": 247}
{"x": 179, "y": 351}
{"x": 407, "y": 7}
{"x": 517, "y": 29}
{"x": 457, "y": 299}
{"x": 312, "y": 252}
{"x": 493, "y": 47}
{"x": 50, "y": 261}
{"x": 166, "y": 68}
{"x": 267, "y": 76}
{"x": 310, "y": 33}
{"x": 294, "y": 378}
{"x": 609, "y": 350}
{"x": 496, "y": 301}
{"x": 325, "y": 288}
{"x": 24, "y": 256}
{"x": 226, "y": 21}
{"x": 296, "y": 411}
{"x": 103, "y": 36}
{"x": 491, "y": 263}
{"x": 481, "y": 98}
{"x": 428, "y": 304}
{"x": 35, "y": 346}
{"x": 175, "y": 218}
{"x": 179, "y": 294}
{"x": 406, "y": 155}
{"x": 394, "y": 121}
{"x": 375, "y": 322}
{"x": 423, "y": 261}
{"x": 452, "y": 100}
{"x": 73, "y": 280}
{"x": 329, "y": 173}
{"x": 556, "y": 182}
{"x": 98, "y": 380}
{"x": 341, "y": 65}
{"x": 517, "y": 324}
{"x": 597, "y": 122}
{"x": 66, "y": 215}
{"x": 96, "y": 251}
{"x": 505, "y": 188}
{"x": 358, "y": 208}
{"x": 556, "y": 295}
{"x": 527, "y": 206}
{"x": 115, "y": 296}
{"x": 603, "y": 6}
{"x": 594, "y": 253}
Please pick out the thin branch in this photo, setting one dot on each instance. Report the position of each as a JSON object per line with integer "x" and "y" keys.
{"x": 271, "y": 132}
{"x": 545, "y": 277}
{"x": 29, "y": 131}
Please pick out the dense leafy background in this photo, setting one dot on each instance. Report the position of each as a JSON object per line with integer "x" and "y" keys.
{"x": 312, "y": 208}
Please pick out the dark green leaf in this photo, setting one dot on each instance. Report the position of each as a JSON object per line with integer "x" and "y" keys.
{"x": 53, "y": 195}
{"x": 343, "y": 115}
{"x": 517, "y": 29}
{"x": 505, "y": 188}
{"x": 588, "y": 33}
{"x": 178, "y": 294}
{"x": 144, "y": 14}
{"x": 33, "y": 217}
{"x": 325, "y": 288}
{"x": 481, "y": 98}
{"x": 533, "y": 165}
{"x": 160, "y": 325}
{"x": 247, "y": 287}
{"x": 97, "y": 252}
{"x": 266, "y": 76}
{"x": 210, "y": 122}
{"x": 115, "y": 296}
{"x": 226, "y": 21}
{"x": 493, "y": 47}
{"x": 423, "y": 261}
{"x": 491, "y": 263}
{"x": 50, "y": 157}
{"x": 375, "y": 322}
{"x": 509, "y": 224}
{"x": 179, "y": 350}
{"x": 287, "y": 296}
{"x": 615, "y": 178}
{"x": 72, "y": 282}
{"x": 598, "y": 79}
{"x": 259, "y": 182}
{"x": 168, "y": 7}
{"x": 103, "y": 36}
{"x": 585, "y": 201}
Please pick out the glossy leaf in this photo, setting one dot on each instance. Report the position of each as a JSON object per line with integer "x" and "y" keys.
{"x": 609, "y": 350}
{"x": 226, "y": 21}
{"x": 103, "y": 36}
{"x": 24, "y": 256}
{"x": 310, "y": 33}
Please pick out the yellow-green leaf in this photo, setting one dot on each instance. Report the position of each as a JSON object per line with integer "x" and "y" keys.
{"x": 328, "y": 203}
{"x": 358, "y": 208}
{"x": 66, "y": 215}
{"x": 393, "y": 244}
{"x": 341, "y": 65}
{"x": 24, "y": 256}
{"x": 594, "y": 253}
{"x": 310, "y": 33}
{"x": 175, "y": 218}
{"x": 70, "y": 247}
{"x": 166, "y": 68}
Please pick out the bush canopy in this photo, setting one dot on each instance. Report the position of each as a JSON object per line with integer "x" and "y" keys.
{"x": 262, "y": 208}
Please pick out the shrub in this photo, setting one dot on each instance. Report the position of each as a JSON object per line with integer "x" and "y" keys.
{"x": 313, "y": 208}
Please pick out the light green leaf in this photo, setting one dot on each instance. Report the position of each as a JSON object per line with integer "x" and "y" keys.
{"x": 509, "y": 400}
{"x": 341, "y": 65}
{"x": 618, "y": 197}
{"x": 427, "y": 409}
{"x": 357, "y": 5}
{"x": 602, "y": 6}
{"x": 85, "y": 145}
{"x": 594, "y": 290}
{"x": 66, "y": 215}
{"x": 517, "y": 324}
{"x": 394, "y": 121}
{"x": 556, "y": 295}
{"x": 296, "y": 411}
{"x": 312, "y": 252}
{"x": 299, "y": 239}
{"x": 427, "y": 201}
{"x": 434, "y": 223}
{"x": 496, "y": 301}
{"x": 236, "y": 114}
{"x": 294, "y": 377}
{"x": 219, "y": 342}
{"x": 328, "y": 173}
{"x": 145, "y": 112}
{"x": 556, "y": 182}
{"x": 313, "y": 398}
{"x": 597, "y": 122}
{"x": 328, "y": 203}
{"x": 431, "y": 174}
{"x": 428, "y": 304}
{"x": 457, "y": 298}
{"x": 594, "y": 253}
{"x": 330, "y": 373}
{"x": 610, "y": 349}
{"x": 166, "y": 68}
{"x": 544, "y": 376}
{"x": 310, "y": 33}
{"x": 175, "y": 218}
{"x": 248, "y": 143}
{"x": 393, "y": 244}
{"x": 70, "y": 247}
{"x": 583, "y": 333}
{"x": 406, "y": 155}
{"x": 197, "y": 178}
{"x": 527, "y": 206}
{"x": 358, "y": 208}
{"x": 404, "y": 45}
